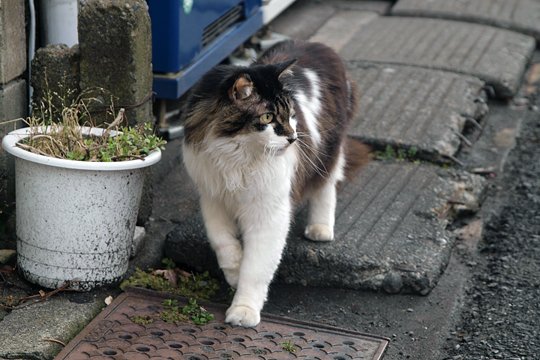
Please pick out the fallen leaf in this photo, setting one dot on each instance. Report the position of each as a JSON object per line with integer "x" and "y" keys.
{"x": 168, "y": 274}
{"x": 108, "y": 300}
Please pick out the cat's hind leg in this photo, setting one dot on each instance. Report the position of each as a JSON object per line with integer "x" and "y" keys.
{"x": 222, "y": 234}
{"x": 322, "y": 205}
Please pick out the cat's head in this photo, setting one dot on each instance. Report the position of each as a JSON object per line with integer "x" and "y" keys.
{"x": 249, "y": 105}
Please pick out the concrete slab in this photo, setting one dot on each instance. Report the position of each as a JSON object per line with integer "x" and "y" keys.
{"x": 489, "y": 153}
{"x": 517, "y": 15}
{"x": 12, "y": 105}
{"x": 390, "y": 232}
{"x": 498, "y": 57}
{"x": 118, "y": 60}
{"x": 306, "y": 17}
{"x": 332, "y": 33}
{"x": 12, "y": 40}
{"x": 417, "y": 108}
{"x": 302, "y": 19}
{"x": 55, "y": 70}
{"x": 381, "y": 7}
{"x": 34, "y": 331}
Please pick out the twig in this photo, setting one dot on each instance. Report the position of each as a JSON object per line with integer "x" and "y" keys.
{"x": 54, "y": 141}
{"x": 11, "y": 121}
{"x": 54, "y": 341}
{"x": 456, "y": 160}
{"x": 42, "y": 296}
{"x": 115, "y": 123}
{"x": 31, "y": 149}
{"x": 463, "y": 138}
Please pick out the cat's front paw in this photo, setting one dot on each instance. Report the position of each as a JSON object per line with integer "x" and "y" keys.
{"x": 319, "y": 232}
{"x": 241, "y": 315}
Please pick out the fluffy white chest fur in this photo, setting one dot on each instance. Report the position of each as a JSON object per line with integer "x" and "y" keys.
{"x": 240, "y": 175}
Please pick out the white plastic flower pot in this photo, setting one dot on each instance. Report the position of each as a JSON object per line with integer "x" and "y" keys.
{"x": 75, "y": 219}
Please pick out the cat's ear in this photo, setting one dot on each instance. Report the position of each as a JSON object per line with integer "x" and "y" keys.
{"x": 242, "y": 88}
{"x": 284, "y": 68}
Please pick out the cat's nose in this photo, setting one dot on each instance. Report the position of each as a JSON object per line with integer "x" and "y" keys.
{"x": 292, "y": 139}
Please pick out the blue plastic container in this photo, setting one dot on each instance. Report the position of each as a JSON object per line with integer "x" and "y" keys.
{"x": 189, "y": 37}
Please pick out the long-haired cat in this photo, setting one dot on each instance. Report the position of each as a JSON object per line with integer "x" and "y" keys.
{"x": 258, "y": 140}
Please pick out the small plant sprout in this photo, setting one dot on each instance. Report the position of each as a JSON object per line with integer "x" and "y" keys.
{"x": 289, "y": 346}
{"x": 175, "y": 281}
{"x": 142, "y": 319}
{"x": 193, "y": 312}
{"x": 399, "y": 154}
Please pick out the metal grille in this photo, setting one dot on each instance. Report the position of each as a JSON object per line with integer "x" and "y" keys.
{"x": 113, "y": 335}
{"x": 216, "y": 28}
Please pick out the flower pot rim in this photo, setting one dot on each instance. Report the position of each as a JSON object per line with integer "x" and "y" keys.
{"x": 11, "y": 139}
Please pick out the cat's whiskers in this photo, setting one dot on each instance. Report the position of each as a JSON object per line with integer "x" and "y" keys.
{"x": 316, "y": 151}
{"x": 319, "y": 170}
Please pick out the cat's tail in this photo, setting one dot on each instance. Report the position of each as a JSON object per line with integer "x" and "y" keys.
{"x": 357, "y": 155}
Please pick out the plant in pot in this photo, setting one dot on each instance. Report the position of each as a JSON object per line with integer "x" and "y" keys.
{"x": 78, "y": 190}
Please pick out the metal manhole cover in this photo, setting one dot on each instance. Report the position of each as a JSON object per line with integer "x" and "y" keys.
{"x": 112, "y": 335}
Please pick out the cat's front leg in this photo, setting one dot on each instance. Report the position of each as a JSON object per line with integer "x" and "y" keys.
{"x": 264, "y": 236}
{"x": 222, "y": 233}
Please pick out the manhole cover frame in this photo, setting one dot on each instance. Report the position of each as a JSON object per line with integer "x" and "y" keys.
{"x": 267, "y": 320}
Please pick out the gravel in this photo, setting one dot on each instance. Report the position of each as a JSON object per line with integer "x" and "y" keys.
{"x": 501, "y": 312}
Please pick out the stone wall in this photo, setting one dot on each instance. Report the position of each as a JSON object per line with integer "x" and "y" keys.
{"x": 112, "y": 62}
{"x": 116, "y": 53}
{"x": 13, "y": 91}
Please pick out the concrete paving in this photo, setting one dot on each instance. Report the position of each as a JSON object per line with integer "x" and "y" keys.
{"x": 410, "y": 107}
{"x": 488, "y": 154}
{"x": 517, "y": 15}
{"x": 498, "y": 57}
{"x": 390, "y": 232}
{"x": 37, "y": 331}
{"x": 305, "y": 17}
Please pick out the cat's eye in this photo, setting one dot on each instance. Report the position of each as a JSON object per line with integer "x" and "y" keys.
{"x": 266, "y": 118}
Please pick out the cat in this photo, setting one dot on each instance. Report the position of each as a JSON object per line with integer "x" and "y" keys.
{"x": 257, "y": 141}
